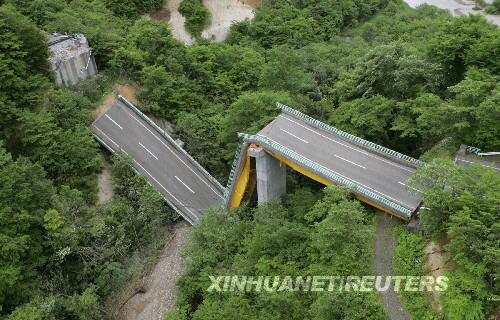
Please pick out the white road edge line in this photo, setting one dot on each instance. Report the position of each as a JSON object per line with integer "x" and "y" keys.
{"x": 116, "y": 144}
{"x": 482, "y": 165}
{"x": 166, "y": 146}
{"x": 395, "y": 200}
{"x": 409, "y": 187}
{"x": 119, "y": 126}
{"x": 148, "y": 151}
{"x": 185, "y": 185}
{"x": 354, "y": 163}
{"x": 355, "y": 149}
{"x": 293, "y": 135}
{"x": 195, "y": 217}
{"x": 182, "y": 204}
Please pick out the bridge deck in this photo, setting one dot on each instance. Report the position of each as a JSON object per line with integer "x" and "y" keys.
{"x": 379, "y": 174}
{"x": 170, "y": 172}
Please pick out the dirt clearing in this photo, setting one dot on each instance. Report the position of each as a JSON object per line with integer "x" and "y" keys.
{"x": 158, "y": 295}
{"x": 104, "y": 185}
{"x": 224, "y": 14}
{"x": 127, "y": 90}
{"x": 385, "y": 245}
{"x": 437, "y": 263}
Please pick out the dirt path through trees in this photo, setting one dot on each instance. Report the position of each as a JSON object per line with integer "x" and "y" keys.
{"x": 160, "y": 285}
{"x": 385, "y": 245}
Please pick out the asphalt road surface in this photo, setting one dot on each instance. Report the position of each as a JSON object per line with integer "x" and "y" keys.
{"x": 378, "y": 174}
{"x": 169, "y": 171}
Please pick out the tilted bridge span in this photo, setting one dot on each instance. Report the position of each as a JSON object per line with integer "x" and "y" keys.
{"x": 376, "y": 175}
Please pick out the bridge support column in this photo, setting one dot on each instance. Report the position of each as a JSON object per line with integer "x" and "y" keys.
{"x": 271, "y": 175}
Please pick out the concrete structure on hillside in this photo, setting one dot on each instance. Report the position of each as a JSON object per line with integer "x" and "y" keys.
{"x": 71, "y": 58}
{"x": 271, "y": 175}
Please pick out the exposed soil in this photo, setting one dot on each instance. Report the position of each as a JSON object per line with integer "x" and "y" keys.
{"x": 252, "y": 3}
{"x": 162, "y": 14}
{"x": 158, "y": 292}
{"x": 104, "y": 185}
{"x": 385, "y": 245}
{"x": 437, "y": 263}
{"x": 223, "y": 14}
{"x": 126, "y": 90}
{"x": 176, "y": 21}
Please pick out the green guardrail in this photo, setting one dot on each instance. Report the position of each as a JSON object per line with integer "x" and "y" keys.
{"x": 470, "y": 149}
{"x": 170, "y": 204}
{"x": 172, "y": 141}
{"x": 326, "y": 173}
{"x": 352, "y": 138}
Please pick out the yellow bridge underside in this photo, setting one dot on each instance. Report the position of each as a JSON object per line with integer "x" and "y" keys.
{"x": 244, "y": 178}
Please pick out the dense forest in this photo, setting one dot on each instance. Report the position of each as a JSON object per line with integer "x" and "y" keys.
{"x": 414, "y": 80}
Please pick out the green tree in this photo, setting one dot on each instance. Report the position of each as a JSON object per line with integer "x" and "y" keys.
{"x": 23, "y": 67}
{"x": 462, "y": 204}
{"x": 284, "y": 71}
{"x": 370, "y": 118}
{"x": 395, "y": 70}
{"x": 465, "y": 41}
{"x": 196, "y": 14}
{"x": 250, "y": 113}
{"x": 167, "y": 94}
{"x": 25, "y": 194}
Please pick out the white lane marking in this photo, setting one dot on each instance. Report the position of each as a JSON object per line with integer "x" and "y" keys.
{"x": 148, "y": 151}
{"x": 395, "y": 200}
{"x": 195, "y": 217}
{"x": 159, "y": 183}
{"x": 116, "y": 144}
{"x": 185, "y": 185}
{"x": 409, "y": 186}
{"x": 354, "y": 163}
{"x": 119, "y": 126}
{"x": 347, "y": 146}
{"x": 183, "y": 214}
{"x": 293, "y": 135}
{"x": 478, "y": 164}
{"x": 175, "y": 154}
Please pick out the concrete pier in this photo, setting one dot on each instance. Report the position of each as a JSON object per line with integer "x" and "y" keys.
{"x": 271, "y": 175}
{"x": 71, "y": 58}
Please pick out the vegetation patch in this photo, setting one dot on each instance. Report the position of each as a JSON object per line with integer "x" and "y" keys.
{"x": 409, "y": 259}
{"x": 196, "y": 14}
{"x": 415, "y": 80}
{"x": 277, "y": 240}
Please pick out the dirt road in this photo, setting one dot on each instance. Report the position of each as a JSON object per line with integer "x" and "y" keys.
{"x": 160, "y": 284}
{"x": 456, "y": 8}
{"x": 384, "y": 252}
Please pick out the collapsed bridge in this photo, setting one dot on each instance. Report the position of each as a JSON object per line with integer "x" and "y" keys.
{"x": 376, "y": 175}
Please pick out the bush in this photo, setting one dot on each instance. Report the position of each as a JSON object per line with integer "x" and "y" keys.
{"x": 197, "y": 16}
{"x": 133, "y": 8}
{"x": 494, "y": 8}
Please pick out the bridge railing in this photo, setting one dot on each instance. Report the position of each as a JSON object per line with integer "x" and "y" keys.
{"x": 326, "y": 173}
{"x": 350, "y": 137}
{"x": 235, "y": 169}
{"x": 470, "y": 149}
{"x": 172, "y": 141}
{"x": 121, "y": 153}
